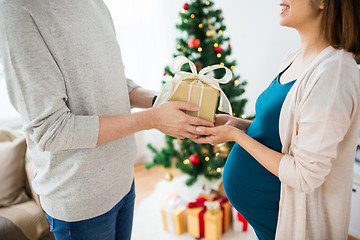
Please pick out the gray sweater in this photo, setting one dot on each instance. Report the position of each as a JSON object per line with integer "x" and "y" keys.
{"x": 63, "y": 69}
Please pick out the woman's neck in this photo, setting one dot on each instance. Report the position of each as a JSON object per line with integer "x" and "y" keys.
{"x": 312, "y": 43}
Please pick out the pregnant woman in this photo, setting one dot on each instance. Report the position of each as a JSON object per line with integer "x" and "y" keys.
{"x": 290, "y": 172}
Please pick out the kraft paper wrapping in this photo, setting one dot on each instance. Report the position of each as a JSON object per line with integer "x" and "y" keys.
{"x": 201, "y": 95}
{"x": 196, "y": 88}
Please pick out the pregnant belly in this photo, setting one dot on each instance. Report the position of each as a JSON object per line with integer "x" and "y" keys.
{"x": 251, "y": 188}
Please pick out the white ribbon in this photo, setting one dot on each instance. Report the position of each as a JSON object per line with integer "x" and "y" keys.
{"x": 170, "y": 205}
{"x": 212, "y": 206}
{"x": 168, "y": 90}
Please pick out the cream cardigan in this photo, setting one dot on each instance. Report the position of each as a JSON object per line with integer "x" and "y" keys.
{"x": 319, "y": 124}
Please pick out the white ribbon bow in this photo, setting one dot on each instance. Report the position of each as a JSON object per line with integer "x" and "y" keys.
{"x": 199, "y": 79}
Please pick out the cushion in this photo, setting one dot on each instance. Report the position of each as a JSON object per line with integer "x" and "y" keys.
{"x": 12, "y": 169}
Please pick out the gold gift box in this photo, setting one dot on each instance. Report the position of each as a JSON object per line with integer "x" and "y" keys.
{"x": 227, "y": 214}
{"x": 178, "y": 219}
{"x": 213, "y": 224}
{"x": 193, "y": 223}
{"x": 208, "y": 102}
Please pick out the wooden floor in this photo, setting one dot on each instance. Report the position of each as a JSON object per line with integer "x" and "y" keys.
{"x": 145, "y": 180}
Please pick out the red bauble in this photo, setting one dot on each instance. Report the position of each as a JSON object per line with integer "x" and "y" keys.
{"x": 186, "y": 6}
{"x": 164, "y": 73}
{"x": 194, "y": 159}
{"x": 218, "y": 49}
{"x": 194, "y": 43}
{"x": 229, "y": 45}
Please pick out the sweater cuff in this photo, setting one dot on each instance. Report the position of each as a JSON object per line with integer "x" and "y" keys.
{"x": 86, "y": 132}
{"x": 283, "y": 171}
{"x": 131, "y": 84}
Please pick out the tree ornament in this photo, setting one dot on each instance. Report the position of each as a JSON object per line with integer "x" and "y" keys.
{"x": 211, "y": 33}
{"x": 225, "y": 149}
{"x": 218, "y": 49}
{"x": 168, "y": 177}
{"x": 194, "y": 159}
{"x": 229, "y": 45}
{"x": 198, "y": 66}
{"x": 186, "y": 6}
{"x": 194, "y": 43}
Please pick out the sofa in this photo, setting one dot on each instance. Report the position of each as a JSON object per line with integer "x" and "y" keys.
{"x": 21, "y": 216}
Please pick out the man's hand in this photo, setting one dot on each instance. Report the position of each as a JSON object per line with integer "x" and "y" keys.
{"x": 170, "y": 119}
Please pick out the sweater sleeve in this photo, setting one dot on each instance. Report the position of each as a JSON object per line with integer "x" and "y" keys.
{"x": 37, "y": 88}
{"x": 131, "y": 84}
{"x": 325, "y": 117}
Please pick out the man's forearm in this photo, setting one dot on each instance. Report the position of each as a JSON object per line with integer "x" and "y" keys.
{"x": 141, "y": 97}
{"x": 114, "y": 127}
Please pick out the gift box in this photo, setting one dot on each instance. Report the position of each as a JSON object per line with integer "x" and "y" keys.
{"x": 200, "y": 94}
{"x": 239, "y": 222}
{"x": 205, "y": 220}
{"x": 208, "y": 193}
{"x": 195, "y": 217}
{"x": 213, "y": 219}
{"x": 197, "y": 88}
{"x": 173, "y": 214}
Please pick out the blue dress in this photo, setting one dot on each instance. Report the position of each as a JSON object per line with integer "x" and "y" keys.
{"x": 251, "y": 188}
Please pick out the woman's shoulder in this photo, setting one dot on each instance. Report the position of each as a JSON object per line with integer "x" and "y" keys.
{"x": 339, "y": 63}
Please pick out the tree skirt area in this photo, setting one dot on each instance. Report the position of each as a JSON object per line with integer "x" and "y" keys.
{"x": 148, "y": 224}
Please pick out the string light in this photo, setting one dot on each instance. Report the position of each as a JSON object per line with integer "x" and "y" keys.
{"x": 220, "y": 31}
{"x": 218, "y": 55}
{"x": 200, "y": 25}
{"x": 178, "y": 46}
{"x": 192, "y": 15}
{"x": 232, "y": 67}
{"x": 218, "y": 170}
{"x": 185, "y": 20}
{"x": 220, "y": 108}
{"x": 217, "y": 154}
{"x": 222, "y": 64}
{"x": 236, "y": 82}
{"x": 199, "y": 49}
{"x": 207, "y": 3}
{"x": 243, "y": 116}
{"x": 216, "y": 44}
{"x": 234, "y": 114}
{"x": 186, "y": 161}
{"x": 207, "y": 159}
{"x": 209, "y": 168}
{"x": 183, "y": 11}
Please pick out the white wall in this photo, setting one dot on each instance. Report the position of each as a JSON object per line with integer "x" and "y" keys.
{"x": 146, "y": 33}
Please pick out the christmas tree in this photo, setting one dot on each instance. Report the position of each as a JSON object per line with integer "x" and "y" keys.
{"x": 204, "y": 43}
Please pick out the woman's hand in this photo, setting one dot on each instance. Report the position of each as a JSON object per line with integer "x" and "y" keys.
{"x": 225, "y": 119}
{"x": 217, "y": 135}
{"x": 170, "y": 119}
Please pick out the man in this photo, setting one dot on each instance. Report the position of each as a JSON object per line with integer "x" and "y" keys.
{"x": 65, "y": 77}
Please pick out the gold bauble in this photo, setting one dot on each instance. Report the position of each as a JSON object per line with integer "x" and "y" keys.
{"x": 168, "y": 177}
{"x": 224, "y": 149}
{"x": 204, "y": 150}
{"x": 211, "y": 32}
